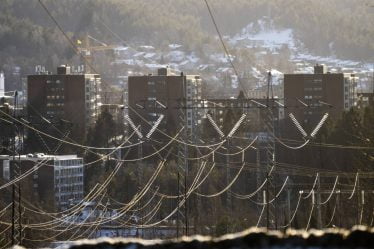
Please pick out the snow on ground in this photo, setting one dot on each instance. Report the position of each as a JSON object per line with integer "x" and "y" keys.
{"x": 264, "y": 35}
{"x": 146, "y": 47}
{"x": 149, "y": 55}
{"x": 218, "y": 58}
{"x": 174, "y": 46}
{"x": 175, "y": 56}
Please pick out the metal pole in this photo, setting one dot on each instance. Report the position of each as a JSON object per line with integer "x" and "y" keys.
{"x": 289, "y": 206}
{"x": 19, "y": 182}
{"x": 266, "y": 202}
{"x": 19, "y": 194}
{"x": 228, "y": 200}
{"x": 178, "y": 209}
{"x": 13, "y": 169}
{"x": 185, "y": 198}
{"x": 13, "y": 213}
{"x": 319, "y": 216}
{"x": 275, "y": 210}
{"x": 339, "y": 208}
{"x": 358, "y": 198}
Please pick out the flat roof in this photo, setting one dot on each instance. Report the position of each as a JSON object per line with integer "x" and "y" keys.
{"x": 39, "y": 156}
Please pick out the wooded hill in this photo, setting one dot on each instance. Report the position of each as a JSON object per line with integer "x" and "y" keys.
{"x": 28, "y": 36}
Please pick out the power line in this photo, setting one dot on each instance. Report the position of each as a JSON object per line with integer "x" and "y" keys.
{"x": 225, "y": 48}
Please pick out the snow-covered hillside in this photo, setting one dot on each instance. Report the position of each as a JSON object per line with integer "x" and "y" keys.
{"x": 262, "y": 38}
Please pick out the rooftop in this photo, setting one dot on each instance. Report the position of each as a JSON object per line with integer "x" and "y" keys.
{"x": 38, "y": 157}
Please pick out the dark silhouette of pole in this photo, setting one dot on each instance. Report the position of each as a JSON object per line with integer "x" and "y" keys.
{"x": 20, "y": 150}
{"x": 185, "y": 199}
{"x": 13, "y": 173}
{"x": 178, "y": 204}
{"x": 358, "y": 198}
{"x": 267, "y": 202}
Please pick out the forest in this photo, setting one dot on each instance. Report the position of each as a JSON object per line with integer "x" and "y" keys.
{"x": 28, "y": 37}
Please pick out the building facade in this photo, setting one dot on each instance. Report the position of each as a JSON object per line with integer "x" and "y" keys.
{"x": 165, "y": 94}
{"x": 309, "y": 96}
{"x": 365, "y": 99}
{"x": 57, "y": 181}
{"x": 68, "y": 96}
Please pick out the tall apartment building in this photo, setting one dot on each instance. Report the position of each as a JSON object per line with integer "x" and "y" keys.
{"x": 318, "y": 93}
{"x": 165, "y": 94}
{"x": 69, "y": 96}
{"x": 58, "y": 180}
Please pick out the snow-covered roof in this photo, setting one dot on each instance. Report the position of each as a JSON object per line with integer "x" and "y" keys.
{"x": 174, "y": 46}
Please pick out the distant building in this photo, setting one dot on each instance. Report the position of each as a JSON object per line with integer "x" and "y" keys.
{"x": 6, "y": 105}
{"x": 365, "y": 99}
{"x": 255, "y": 110}
{"x": 318, "y": 93}
{"x": 72, "y": 97}
{"x": 57, "y": 181}
{"x": 165, "y": 94}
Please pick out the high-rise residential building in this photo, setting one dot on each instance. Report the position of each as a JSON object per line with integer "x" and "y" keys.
{"x": 57, "y": 181}
{"x": 74, "y": 97}
{"x": 173, "y": 96}
{"x": 309, "y": 96}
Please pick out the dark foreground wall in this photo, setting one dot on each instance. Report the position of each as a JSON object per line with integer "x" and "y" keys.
{"x": 359, "y": 237}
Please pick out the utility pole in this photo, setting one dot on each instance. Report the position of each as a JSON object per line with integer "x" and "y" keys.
{"x": 270, "y": 143}
{"x": 228, "y": 193}
{"x": 275, "y": 210}
{"x": 259, "y": 174}
{"x": 185, "y": 199}
{"x": 16, "y": 169}
{"x": 178, "y": 209}
{"x": 289, "y": 206}
{"x": 339, "y": 209}
{"x": 19, "y": 193}
{"x": 140, "y": 179}
{"x": 267, "y": 202}
{"x": 319, "y": 215}
{"x": 358, "y": 198}
{"x": 183, "y": 151}
{"x": 362, "y": 206}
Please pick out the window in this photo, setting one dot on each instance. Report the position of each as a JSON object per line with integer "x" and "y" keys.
{"x": 6, "y": 170}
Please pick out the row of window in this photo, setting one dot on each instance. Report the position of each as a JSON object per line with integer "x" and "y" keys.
{"x": 60, "y": 104}
{"x": 52, "y": 97}
{"x": 69, "y": 162}
{"x": 313, "y": 97}
{"x": 55, "y": 89}
{"x": 313, "y": 89}
{"x": 73, "y": 188}
{"x": 51, "y": 81}
{"x": 69, "y": 180}
{"x": 72, "y": 171}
